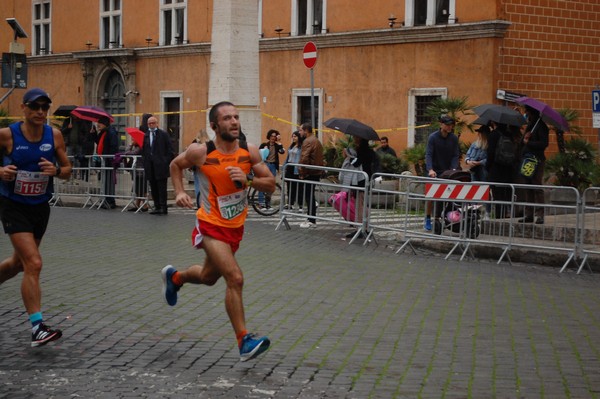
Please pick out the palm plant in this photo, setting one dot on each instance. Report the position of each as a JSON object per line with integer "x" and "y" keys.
{"x": 576, "y": 166}
{"x": 570, "y": 115}
{"x": 416, "y": 156}
{"x": 455, "y": 107}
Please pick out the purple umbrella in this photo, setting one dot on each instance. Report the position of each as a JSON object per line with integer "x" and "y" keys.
{"x": 546, "y": 111}
{"x": 91, "y": 113}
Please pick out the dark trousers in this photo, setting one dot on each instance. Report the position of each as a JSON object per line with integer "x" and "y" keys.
{"x": 503, "y": 194}
{"x": 535, "y": 196}
{"x": 158, "y": 188}
{"x": 109, "y": 185}
{"x": 309, "y": 196}
{"x": 293, "y": 192}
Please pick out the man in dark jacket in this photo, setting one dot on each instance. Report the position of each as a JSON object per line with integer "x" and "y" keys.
{"x": 442, "y": 154}
{"x": 157, "y": 153}
{"x": 107, "y": 142}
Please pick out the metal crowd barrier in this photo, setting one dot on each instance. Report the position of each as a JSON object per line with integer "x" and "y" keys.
{"x": 589, "y": 237}
{"x": 96, "y": 178}
{"x": 324, "y": 189}
{"x": 468, "y": 218}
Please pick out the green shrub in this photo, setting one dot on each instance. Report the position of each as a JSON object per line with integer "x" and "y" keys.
{"x": 4, "y": 120}
{"x": 576, "y": 167}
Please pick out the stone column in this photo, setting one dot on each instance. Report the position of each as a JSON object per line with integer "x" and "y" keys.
{"x": 234, "y": 73}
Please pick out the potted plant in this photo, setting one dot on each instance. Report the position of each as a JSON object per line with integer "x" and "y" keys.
{"x": 575, "y": 167}
{"x": 416, "y": 157}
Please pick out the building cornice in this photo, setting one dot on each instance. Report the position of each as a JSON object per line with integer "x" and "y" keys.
{"x": 417, "y": 34}
{"x": 141, "y": 52}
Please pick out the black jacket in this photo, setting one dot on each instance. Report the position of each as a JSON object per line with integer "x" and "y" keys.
{"x": 157, "y": 159}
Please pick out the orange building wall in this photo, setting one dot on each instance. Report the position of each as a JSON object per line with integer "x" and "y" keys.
{"x": 371, "y": 83}
{"x": 189, "y": 75}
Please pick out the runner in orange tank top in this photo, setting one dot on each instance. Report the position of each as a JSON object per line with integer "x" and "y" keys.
{"x": 223, "y": 204}
{"x": 225, "y": 169}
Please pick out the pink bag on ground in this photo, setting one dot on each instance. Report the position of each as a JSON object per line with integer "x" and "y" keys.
{"x": 344, "y": 205}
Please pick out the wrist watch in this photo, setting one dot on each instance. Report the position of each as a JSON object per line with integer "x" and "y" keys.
{"x": 249, "y": 178}
{"x": 57, "y": 171}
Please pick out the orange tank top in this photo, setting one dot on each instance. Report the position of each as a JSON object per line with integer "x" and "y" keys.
{"x": 221, "y": 202}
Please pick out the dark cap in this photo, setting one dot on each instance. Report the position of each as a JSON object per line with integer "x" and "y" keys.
{"x": 446, "y": 120}
{"x": 35, "y": 94}
{"x": 104, "y": 120}
{"x": 484, "y": 129}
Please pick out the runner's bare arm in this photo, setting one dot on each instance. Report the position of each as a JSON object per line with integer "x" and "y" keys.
{"x": 60, "y": 151}
{"x": 195, "y": 154}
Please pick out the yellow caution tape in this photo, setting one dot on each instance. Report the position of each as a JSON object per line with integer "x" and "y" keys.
{"x": 273, "y": 117}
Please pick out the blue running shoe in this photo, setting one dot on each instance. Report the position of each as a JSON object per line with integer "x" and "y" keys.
{"x": 169, "y": 288}
{"x": 427, "y": 225}
{"x": 252, "y": 346}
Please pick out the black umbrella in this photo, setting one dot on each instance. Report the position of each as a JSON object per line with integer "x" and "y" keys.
{"x": 353, "y": 128}
{"x": 64, "y": 110}
{"x": 499, "y": 114}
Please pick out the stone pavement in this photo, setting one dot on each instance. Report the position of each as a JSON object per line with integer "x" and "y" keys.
{"x": 346, "y": 321}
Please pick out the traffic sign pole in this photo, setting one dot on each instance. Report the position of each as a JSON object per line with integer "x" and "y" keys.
{"x": 309, "y": 56}
{"x": 596, "y": 112}
{"x": 312, "y": 100}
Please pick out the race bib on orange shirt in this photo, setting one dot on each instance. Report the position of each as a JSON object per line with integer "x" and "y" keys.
{"x": 232, "y": 205}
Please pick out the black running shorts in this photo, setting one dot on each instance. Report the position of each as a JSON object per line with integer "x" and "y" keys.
{"x": 21, "y": 218}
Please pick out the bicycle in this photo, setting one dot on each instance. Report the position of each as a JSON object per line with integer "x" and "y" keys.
{"x": 254, "y": 203}
{"x": 259, "y": 208}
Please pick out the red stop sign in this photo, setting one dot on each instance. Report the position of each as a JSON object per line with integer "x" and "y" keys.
{"x": 309, "y": 55}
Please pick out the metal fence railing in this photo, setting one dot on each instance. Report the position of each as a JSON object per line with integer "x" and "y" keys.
{"x": 589, "y": 238}
{"x": 95, "y": 179}
{"x": 468, "y": 218}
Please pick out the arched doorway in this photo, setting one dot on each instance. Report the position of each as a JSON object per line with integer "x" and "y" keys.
{"x": 113, "y": 101}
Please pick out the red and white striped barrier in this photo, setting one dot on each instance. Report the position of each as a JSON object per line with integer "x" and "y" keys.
{"x": 457, "y": 191}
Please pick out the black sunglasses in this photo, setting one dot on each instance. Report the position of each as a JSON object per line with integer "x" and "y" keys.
{"x": 38, "y": 106}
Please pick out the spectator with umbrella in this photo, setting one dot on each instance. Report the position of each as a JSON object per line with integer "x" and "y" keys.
{"x": 534, "y": 144}
{"x": 107, "y": 142}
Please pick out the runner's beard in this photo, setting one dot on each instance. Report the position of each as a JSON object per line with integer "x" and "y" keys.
{"x": 226, "y": 136}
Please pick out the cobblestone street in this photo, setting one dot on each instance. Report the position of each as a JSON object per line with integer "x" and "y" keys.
{"x": 345, "y": 321}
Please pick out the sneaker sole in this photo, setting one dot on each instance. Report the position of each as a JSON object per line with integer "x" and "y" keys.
{"x": 52, "y": 337}
{"x": 260, "y": 348}
{"x": 163, "y": 274}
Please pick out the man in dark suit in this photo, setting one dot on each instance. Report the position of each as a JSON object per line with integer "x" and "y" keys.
{"x": 157, "y": 154}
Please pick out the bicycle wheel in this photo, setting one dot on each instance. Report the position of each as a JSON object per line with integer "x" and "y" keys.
{"x": 266, "y": 208}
